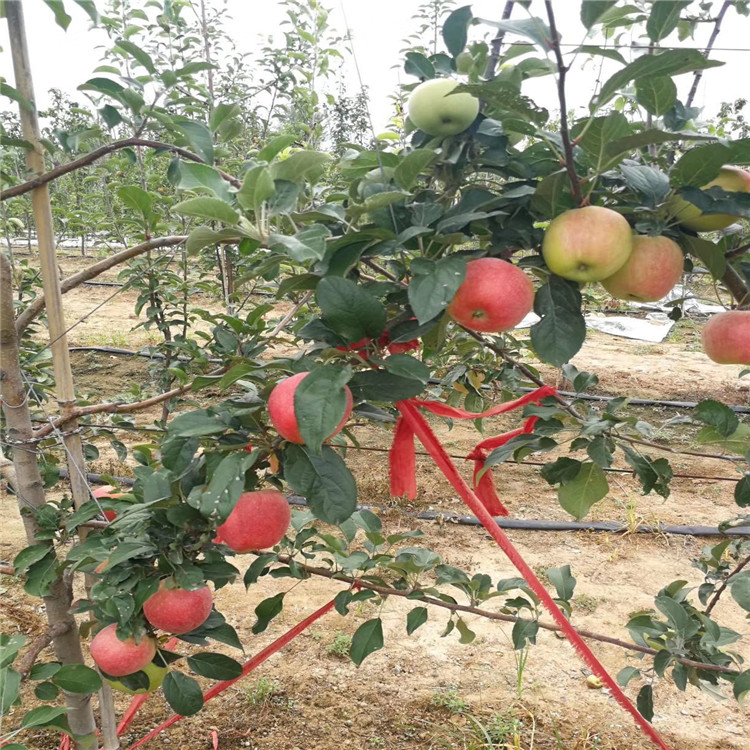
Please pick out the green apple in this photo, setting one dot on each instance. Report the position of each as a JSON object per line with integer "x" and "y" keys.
{"x": 587, "y": 244}
{"x": 433, "y": 109}
{"x": 464, "y": 63}
{"x": 155, "y": 674}
{"x": 650, "y": 273}
{"x": 690, "y": 216}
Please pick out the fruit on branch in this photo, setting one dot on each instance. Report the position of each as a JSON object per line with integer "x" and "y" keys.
{"x": 119, "y": 658}
{"x": 433, "y": 109}
{"x": 690, "y": 216}
{"x": 155, "y": 674}
{"x": 587, "y": 244}
{"x": 177, "y": 610}
{"x": 258, "y": 520}
{"x": 495, "y": 296}
{"x": 726, "y": 337}
{"x": 281, "y": 409}
{"x": 106, "y": 491}
{"x": 464, "y": 62}
{"x": 653, "y": 268}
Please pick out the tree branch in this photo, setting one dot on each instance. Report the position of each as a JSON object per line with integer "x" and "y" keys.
{"x": 497, "y": 43}
{"x": 575, "y": 182}
{"x": 715, "y": 598}
{"x": 699, "y": 73}
{"x": 86, "y": 159}
{"x": 94, "y": 270}
{"x": 27, "y": 661}
{"x": 737, "y": 286}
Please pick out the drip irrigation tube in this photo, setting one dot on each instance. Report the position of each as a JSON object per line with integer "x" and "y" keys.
{"x": 521, "y": 524}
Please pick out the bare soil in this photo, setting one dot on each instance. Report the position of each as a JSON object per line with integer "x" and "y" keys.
{"x": 429, "y": 691}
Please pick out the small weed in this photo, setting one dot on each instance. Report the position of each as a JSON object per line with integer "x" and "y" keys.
{"x": 340, "y": 645}
{"x": 448, "y": 698}
{"x": 260, "y": 693}
{"x": 376, "y": 741}
{"x": 586, "y": 603}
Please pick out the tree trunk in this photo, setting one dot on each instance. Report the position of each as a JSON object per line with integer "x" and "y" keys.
{"x": 29, "y": 488}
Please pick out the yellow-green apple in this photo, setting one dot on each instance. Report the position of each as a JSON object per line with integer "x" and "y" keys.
{"x": 281, "y": 409}
{"x": 435, "y": 110}
{"x": 690, "y": 216}
{"x": 587, "y": 244}
{"x": 155, "y": 674}
{"x": 651, "y": 271}
{"x": 258, "y": 520}
{"x": 494, "y": 296}
{"x": 726, "y": 337}
{"x": 177, "y": 610}
{"x": 119, "y": 658}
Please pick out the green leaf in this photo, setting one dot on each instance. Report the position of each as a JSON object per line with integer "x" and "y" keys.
{"x": 186, "y": 175}
{"x": 592, "y": 11}
{"x": 563, "y": 581}
{"x": 652, "y": 136}
{"x": 257, "y": 187}
{"x": 668, "y": 63}
{"x": 77, "y": 678}
{"x": 10, "y": 683}
{"x": 103, "y": 86}
{"x": 349, "y": 310}
{"x": 664, "y": 17}
{"x": 467, "y": 635}
{"x": 214, "y": 666}
{"x": 656, "y": 95}
{"x": 591, "y": 49}
{"x": 43, "y": 716}
{"x": 46, "y": 691}
{"x": 626, "y": 674}
{"x": 202, "y": 237}
{"x": 222, "y": 114}
{"x": 645, "y": 702}
{"x": 62, "y": 19}
{"x": 29, "y": 556}
{"x": 531, "y": 28}
{"x": 199, "y": 137}
{"x": 415, "y": 619}
{"x": 324, "y": 480}
{"x": 737, "y": 442}
{"x": 208, "y": 208}
{"x": 431, "y": 293}
{"x": 524, "y": 631}
{"x": 301, "y": 166}
{"x": 41, "y": 575}
{"x": 10, "y": 645}
{"x": 740, "y": 589}
{"x": 562, "y": 470}
{"x": 589, "y": 486}
{"x": 418, "y": 65}
{"x": 411, "y": 166}
{"x": 137, "y": 198}
{"x": 699, "y": 165}
{"x": 455, "y": 29}
{"x": 598, "y": 136}
{"x": 742, "y": 686}
{"x": 320, "y": 402}
{"x": 196, "y": 424}
{"x": 15, "y": 95}
{"x": 138, "y": 54}
{"x": 717, "y": 415}
{"x": 742, "y": 492}
{"x": 308, "y": 244}
{"x": 552, "y": 195}
{"x": 367, "y": 638}
{"x": 559, "y": 335}
{"x": 45, "y": 670}
{"x": 651, "y": 184}
{"x": 267, "y": 610}
{"x": 226, "y": 485}
{"x": 377, "y": 385}
{"x": 275, "y": 146}
{"x": 654, "y": 474}
{"x": 183, "y": 693}
{"x": 710, "y": 254}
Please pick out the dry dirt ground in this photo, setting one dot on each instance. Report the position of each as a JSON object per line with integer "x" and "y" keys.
{"x": 428, "y": 691}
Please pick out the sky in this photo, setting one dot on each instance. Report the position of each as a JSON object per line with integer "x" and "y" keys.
{"x": 66, "y": 59}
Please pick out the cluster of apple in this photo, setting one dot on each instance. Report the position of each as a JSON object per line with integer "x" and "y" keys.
{"x": 258, "y": 520}
{"x": 584, "y": 245}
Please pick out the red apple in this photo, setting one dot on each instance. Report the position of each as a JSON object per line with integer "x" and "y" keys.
{"x": 176, "y": 610}
{"x": 726, "y": 337}
{"x": 119, "y": 658}
{"x": 495, "y": 296}
{"x": 258, "y": 520}
{"x": 587, "y": 244}
{"x": 106, "y": 491}
{"x": 281, "y": 409}
{"x": 651, "y": 271}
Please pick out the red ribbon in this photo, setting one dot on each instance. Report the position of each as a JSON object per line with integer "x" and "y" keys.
{"x": 402, "y": 457}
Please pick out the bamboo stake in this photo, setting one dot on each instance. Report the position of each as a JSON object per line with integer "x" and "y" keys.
{"x": 64, "y": 387}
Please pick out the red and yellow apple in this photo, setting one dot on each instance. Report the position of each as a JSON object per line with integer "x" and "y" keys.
{"x": 107, "y": 491}
{"x": 258, "y": 520}
{"x": 433, "y": 109}
{"x": 281, "y": 409}
{"x": 119, "y": 658}
{"x": 729, "y": 178}
{"x": 587, "y": 244}
{"x": 494, "y": 296}
{"x": 177, "y": 610}
{"x": 653, "y": 268}
{"x": 155, "y": 674}
{"x": 726, "y": 337}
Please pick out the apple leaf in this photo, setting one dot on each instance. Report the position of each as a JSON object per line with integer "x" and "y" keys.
{"x": 717, "y": 415}
{"x": 714, "y": 200}
{"x": 430, "y": 293}
{"x": 742, "y": 492}
{"x": 367, "y": 638}
{"x": 320, "y": 403}
{"x": 349, "y": 310}
{"x": 418, "y": 65}
{"x": 560, "y": 333}
{"x": 742, "y": 686}
{"x": 651, "y": 184}
{"x": 699, "y": 165}
{"x": 214, "y": 666}
{"x": 455, "y": 29}
{"x": 183, "y": 694}
{"x": 656, "y": 95}
{"x": 589, "y": 486}
{"x": 664, "y": 17}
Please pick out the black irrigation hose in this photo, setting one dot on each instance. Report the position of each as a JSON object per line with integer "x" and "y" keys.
{"x": 513, "y": 523}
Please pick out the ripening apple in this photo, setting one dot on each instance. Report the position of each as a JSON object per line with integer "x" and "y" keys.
{"x": 494, "y": 296}
{"x": 433, "y": 109}
{"x": 258, "y": 520}
{"x": 106, "y": 491}
{"x": 587, "y": 244}
{"x": 282, "y": 414}
{"x": 650, "y": 273}
{"x": 690, "y": 216}
{"x": 155, "y": 674}
{"x": 726, "y": 337}
{"x": 119, "y": 658}
{"x": 176, "y": 610}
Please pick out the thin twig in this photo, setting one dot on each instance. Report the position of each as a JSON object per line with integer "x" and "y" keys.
{"x": 26, "y": 662}
{"x": 284, "y": 322}
{"x": 497, "y": 43}
{"x": 699, "y": 73}
{"x": 715, "y": 598}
